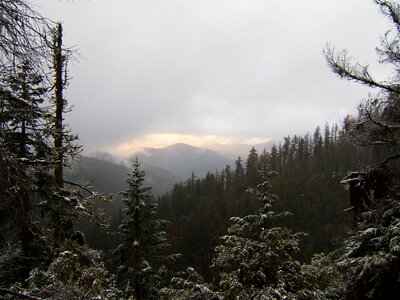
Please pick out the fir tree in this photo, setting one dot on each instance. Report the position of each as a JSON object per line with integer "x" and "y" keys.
{"x": 25, "y": 156}
{"x": 255, "y": 259}
{"x": 190, "y": 285}
{"x": 252, "y": 168}
{"x": 141, "y": 254}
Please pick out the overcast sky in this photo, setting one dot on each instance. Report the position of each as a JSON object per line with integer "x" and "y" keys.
{"x": 209, "y": 72}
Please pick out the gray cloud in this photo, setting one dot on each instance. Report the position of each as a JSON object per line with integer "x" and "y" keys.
{"x": 218, "y": 67}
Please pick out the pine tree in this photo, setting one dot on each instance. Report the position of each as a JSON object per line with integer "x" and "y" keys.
{"x": 141, "y": 254}
{"x": 25, "y": 156}
{"x": 274, "y": 158}
{"x": 255, "y": 259}
{"x": 251, "y": 173}
{"x": 367, "y": 265}
{"x": 190, "y": 285}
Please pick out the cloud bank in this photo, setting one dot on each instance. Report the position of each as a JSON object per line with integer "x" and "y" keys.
{"x": 207, "y": 71}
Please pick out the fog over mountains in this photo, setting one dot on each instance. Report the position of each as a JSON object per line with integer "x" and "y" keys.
{"x": 181, "y": 160}
{"x": 164, "y": 167}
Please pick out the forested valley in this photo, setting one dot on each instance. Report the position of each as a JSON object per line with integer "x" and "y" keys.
{"x": 315, "y": 217}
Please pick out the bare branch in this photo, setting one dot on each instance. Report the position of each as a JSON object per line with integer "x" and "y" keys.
{"x": 396, "y": 156}
{"x": 391, "y": 10}
{"x": 18, "y": 295}
{"x": 390, "y": 51}
{"x": 87, "y": 189}
{"x": 380, "y": 124}
{"x": 87, "y": 293}
{"x": 23, "y": 34}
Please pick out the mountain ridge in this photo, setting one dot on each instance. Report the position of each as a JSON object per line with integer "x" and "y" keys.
{"x": 182, "y": 159}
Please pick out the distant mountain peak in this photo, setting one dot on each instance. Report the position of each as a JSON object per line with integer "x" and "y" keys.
{"x": 181, "y": 159}
{"x": 178, "y": 145}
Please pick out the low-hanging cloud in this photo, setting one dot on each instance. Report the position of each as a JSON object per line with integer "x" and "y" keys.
{"x": 209, "y": 68}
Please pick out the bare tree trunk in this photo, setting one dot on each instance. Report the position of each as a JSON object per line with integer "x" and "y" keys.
{"x": 58, "y": 234}
{"x": 58, "y": 85}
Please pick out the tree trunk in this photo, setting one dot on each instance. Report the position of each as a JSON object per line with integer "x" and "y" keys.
{"x": 58, "y": 234}
{"x": 58, "y": 125}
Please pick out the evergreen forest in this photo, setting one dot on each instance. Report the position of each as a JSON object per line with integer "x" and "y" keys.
{"x": 316, "y": 216}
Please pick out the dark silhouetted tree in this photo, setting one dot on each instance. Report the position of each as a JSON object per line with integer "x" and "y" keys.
{"x": 141, "y": 254}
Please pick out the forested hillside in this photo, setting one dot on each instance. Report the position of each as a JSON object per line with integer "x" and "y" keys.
{"x": 309, "y": 171}
{"x": 109, "y": 178}
{"x": 315, "y": 217}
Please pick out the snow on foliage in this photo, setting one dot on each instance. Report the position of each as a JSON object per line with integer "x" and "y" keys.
{"x": 142, "y": 252}
{"x": 255, "y": 259}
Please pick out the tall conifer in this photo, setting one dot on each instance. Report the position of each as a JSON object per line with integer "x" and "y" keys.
{"x": 141, "y": 254}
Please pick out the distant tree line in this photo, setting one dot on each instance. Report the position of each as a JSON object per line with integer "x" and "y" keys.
{"x": 309, "y": 171}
